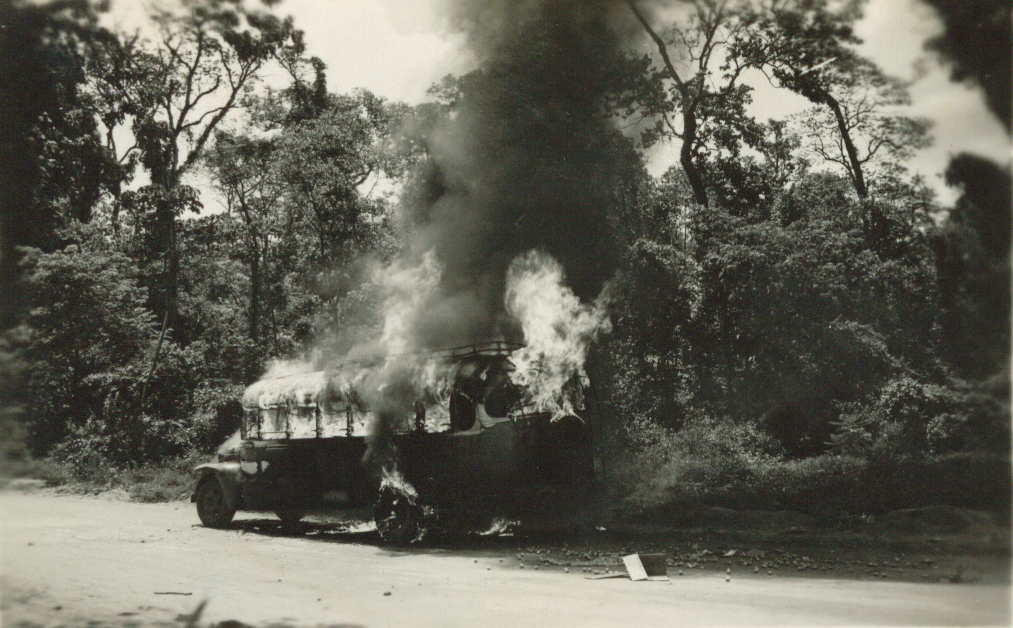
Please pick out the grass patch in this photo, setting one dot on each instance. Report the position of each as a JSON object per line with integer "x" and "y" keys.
{"x": 171, "y": 480}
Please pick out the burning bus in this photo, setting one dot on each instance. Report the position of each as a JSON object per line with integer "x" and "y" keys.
{"x": 463, "y": 443}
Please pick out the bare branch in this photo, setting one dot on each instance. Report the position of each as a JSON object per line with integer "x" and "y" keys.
{"x": 662, "y": 49}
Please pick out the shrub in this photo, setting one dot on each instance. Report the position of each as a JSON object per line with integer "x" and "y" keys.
{"x": 705, "y": 453}
{"x": 91, "y": 398}
{"x": 169, "y": 481}
{"x": 908, "y": 418}
{"x": 835, "y": 489}
{"x": 218, "y": 413}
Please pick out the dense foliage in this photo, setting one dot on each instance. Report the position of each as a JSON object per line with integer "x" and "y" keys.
{"x": 787, "y": 291}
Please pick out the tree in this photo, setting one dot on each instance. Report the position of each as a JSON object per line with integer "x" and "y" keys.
{"x": 711, "y": 105}
{"x": 771, "y": 321}
{"x": 296, "y": 181}
{"x": 972, "y": 250}
{"x": 55, "y": 167}
{"x": 90, "y": 337}
{"x": 805, "y": 46}
{"x": 323, "y": 162}
{"x": 973, "y": 246}
{"x": 215, "y": 297}
{"x": 867, "y": 144}
{"x": 180, "y": 89}
{"x": 748, "y": 185}
{"x": 241, "y": 169}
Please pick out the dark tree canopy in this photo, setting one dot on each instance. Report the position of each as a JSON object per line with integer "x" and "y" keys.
{"x": 787, "y": 289}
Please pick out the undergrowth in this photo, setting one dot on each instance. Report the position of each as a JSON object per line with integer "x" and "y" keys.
{"x": 736, "y": 466}
{"x": 171, "y": 480}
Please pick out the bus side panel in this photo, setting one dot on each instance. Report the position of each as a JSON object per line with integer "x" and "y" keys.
{"x": 295, "y": 474}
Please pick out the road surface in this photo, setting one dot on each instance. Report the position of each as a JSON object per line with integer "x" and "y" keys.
{"x": 67, "y": 560}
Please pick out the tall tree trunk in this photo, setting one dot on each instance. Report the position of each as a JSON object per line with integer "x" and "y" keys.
{"x": 686, "y": 158}
{"x": 173, "y": 278}
{"x": 154, "y": 361}
{"x": 688, "y": 107}
{"x": 856, "y": 166}
{"x": 17, "y": 220}
{"x": 255, "y": 280}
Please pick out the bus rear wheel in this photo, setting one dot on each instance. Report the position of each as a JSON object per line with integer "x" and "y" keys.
{"x": 398, "y": 519}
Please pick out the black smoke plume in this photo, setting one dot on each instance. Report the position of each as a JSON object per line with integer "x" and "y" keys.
{"x": 528, "y": 161}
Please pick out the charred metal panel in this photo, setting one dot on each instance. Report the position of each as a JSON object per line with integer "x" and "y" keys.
{"x": 335, "y": 417}
{"x": 472, "y": 440}
{"x": 304, "y": 473}
{"x": 302, "y": 421}
{"x": 273, "y": 423}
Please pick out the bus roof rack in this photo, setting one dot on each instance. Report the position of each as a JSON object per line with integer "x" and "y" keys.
{"x": 489, "y": 349}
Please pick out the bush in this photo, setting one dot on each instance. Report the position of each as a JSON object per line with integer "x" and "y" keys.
{"x": 91, "y": 399}
{"x": 907, "y": 418}
{"x": 170, "y": 481}
{"x": 705, "y": 453}
{"x": 835, "y": 489}
{"x": 218, "y": 414}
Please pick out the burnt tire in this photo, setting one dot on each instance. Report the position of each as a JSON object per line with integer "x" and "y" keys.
{"x": 212, "y": 507}
{"x": 398, "y": 519}
{"x": 289, "y": 518}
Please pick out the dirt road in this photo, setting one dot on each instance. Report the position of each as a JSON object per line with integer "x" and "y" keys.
{"x": 67, "y": 560}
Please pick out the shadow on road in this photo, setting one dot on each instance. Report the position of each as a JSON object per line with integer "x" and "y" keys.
{"x": 435, "y": 541}
{"x": 816, "y": 554}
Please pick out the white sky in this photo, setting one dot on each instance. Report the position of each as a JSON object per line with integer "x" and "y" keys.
{"x": 398, "y": 48}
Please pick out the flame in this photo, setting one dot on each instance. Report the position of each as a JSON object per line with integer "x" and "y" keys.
{"x": 392, "y": 479}
{"x": 500, "y": 526}
{"x": 557, "y": 328}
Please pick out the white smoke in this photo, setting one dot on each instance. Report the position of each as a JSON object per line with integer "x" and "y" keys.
{"x": 285, "y": 368}
{"x": 409, "y": 289}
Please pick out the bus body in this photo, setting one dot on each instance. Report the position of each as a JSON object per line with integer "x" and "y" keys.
{"x": 309, "y": 443}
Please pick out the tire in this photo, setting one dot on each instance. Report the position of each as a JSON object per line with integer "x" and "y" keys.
{"x": 212, "y": 507}
{"x": 398, "y": 520}
{"x": 289, "y": 518}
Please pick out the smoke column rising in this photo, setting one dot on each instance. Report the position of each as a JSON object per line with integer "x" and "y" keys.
{"x": 528, "y": 162}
